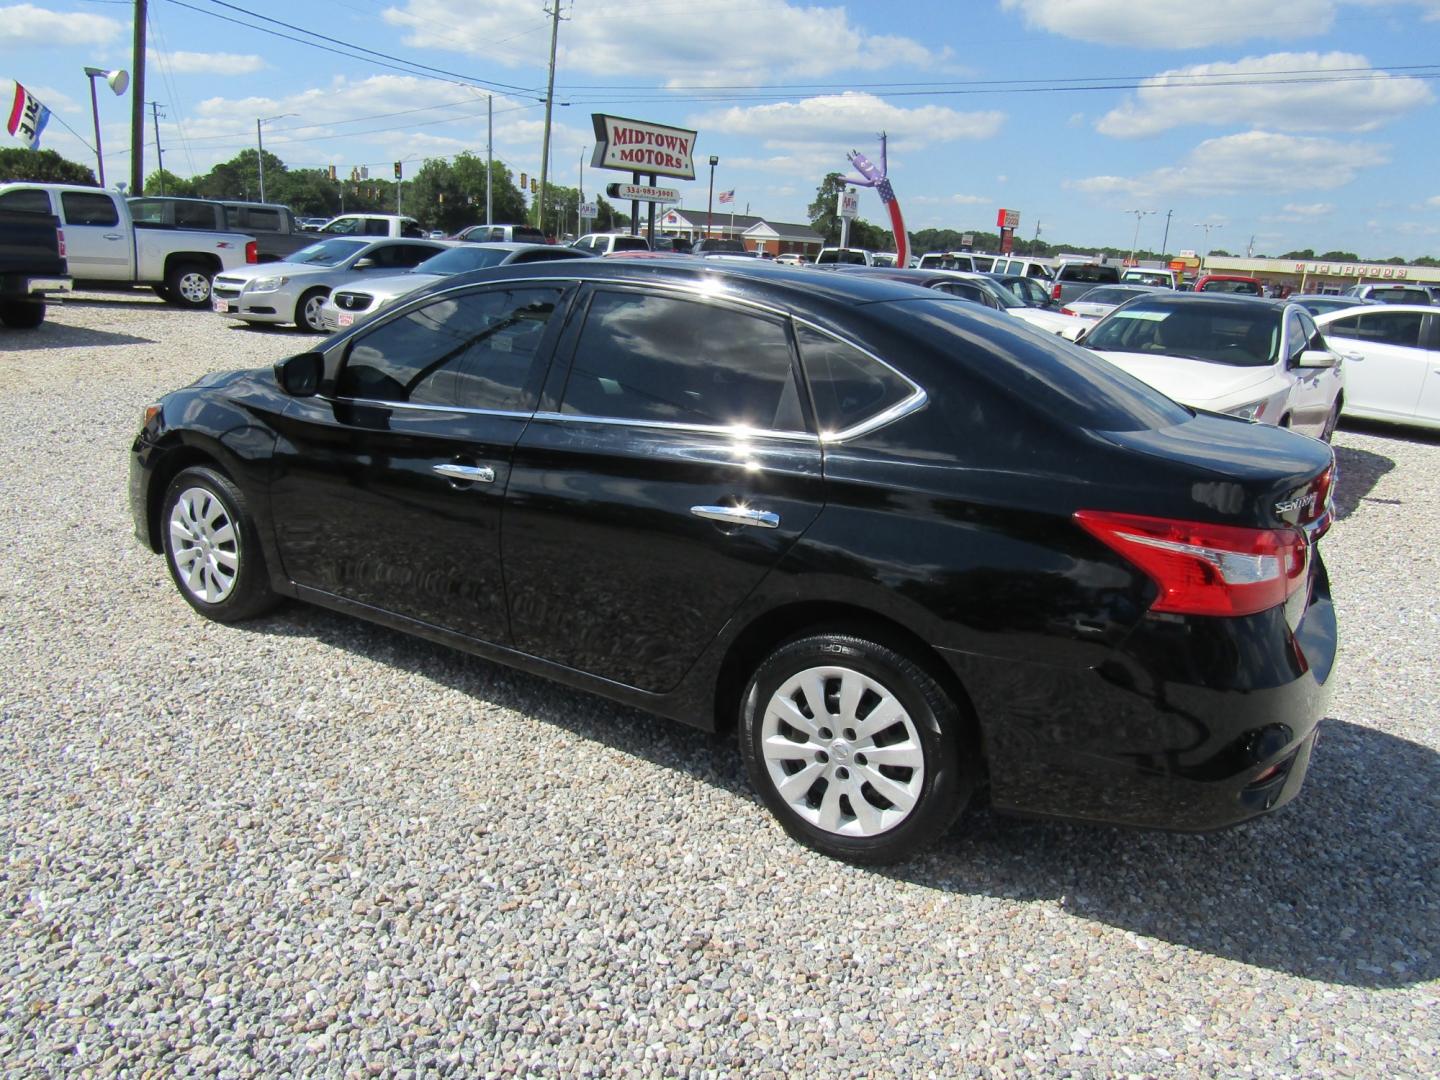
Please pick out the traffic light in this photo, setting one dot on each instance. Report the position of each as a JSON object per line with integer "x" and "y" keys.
{"x": 534, "y": 185}
{"x": 399, "y": 172}
{"x": 523, "y": 182}
{"x": 332, "y": 174}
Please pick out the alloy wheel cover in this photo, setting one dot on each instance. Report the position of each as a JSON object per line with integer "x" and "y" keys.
{"x": 204, "y": 545}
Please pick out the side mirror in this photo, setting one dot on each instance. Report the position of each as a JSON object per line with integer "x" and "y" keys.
{"x": 1317, "y": 358}
{"x": 299, "y": 376}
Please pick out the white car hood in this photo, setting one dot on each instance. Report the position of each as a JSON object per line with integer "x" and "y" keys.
{"x": 1201, "y": 383}
{"x": 1053, "y": 321}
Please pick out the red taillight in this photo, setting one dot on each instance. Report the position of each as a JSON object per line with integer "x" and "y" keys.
{"x": 252, "y": 252}
{"x": 60, "y": 241}
{"x": 1067, "y": 311}
{"x": 1055, "y": 291}
{"x": 1205, "y": 569}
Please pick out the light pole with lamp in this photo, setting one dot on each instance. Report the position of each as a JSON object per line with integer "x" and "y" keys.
{"x": 117, "y": 81}
{"x": 1135, "y": 242}
{"x": 260, "y": 146}
{"x": 1207, "y": 226}
{"x": 710, "y": 205}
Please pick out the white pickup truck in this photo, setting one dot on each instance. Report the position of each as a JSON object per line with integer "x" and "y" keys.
{"x": 106, "y": 250}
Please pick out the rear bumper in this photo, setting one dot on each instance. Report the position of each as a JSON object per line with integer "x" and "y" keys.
{"x": 1193, "y": 725}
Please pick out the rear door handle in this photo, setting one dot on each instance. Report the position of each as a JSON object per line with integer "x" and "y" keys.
{"x": 113, "y": 236}
{"x": 738, "y": 515}
{"x": 470, "y": 474}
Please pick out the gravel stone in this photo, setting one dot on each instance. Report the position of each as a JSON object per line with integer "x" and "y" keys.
{"x": 312, "y": 846}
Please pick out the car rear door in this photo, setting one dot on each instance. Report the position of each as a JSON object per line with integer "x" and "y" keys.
{"x": 1428, "y": 407}
{"x": 671, "y": 466}
{"x": 1390, "y": 368}
{"x": 389, "y": 485}
{"x": 97, "y": 245}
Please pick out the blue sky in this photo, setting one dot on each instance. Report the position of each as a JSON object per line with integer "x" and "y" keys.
{"x": 1307, "y": 123}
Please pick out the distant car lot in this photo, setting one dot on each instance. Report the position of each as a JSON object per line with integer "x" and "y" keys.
{"x": 317, "y": 820}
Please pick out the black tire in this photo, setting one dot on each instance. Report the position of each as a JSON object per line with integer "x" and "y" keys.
{"x": 1331, "y": 422}
{"x": 187, "y": 284}
{"x": 946, "y": 749}
{"x": 212, "y": 547}
{"x": 164, "y": 293}
{"x": 307, "y": 311}
{"x": 22, "y": 314}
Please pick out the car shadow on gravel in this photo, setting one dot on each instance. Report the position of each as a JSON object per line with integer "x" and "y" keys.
{"x": 1358, "y": 472}
{"x": 1339, "y": 886}
{"x": 53, "y": 335}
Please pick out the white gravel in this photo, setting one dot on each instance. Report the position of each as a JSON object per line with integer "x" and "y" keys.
{"x": 312, "y": 846}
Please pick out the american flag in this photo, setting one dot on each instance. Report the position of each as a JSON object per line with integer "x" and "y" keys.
{"x": 727, "y": 196}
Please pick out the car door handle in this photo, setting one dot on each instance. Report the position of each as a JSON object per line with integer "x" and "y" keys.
{"x": 470, "y": 474}
{"x": 113, "y": 236}
{"x": 738, "y": 515}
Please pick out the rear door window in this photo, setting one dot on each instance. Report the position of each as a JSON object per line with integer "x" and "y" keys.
{"x": 1383, "y": 327}
{"x": 662, "y": 359}
{"x": 26, "y": 201}
{"x": 82, "y": 208}
{"x": 476, "y": 351}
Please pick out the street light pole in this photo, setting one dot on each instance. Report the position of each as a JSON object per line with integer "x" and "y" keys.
{"x": 260, "y": 146}
{"x": 710, "y": 204}
{"x": 1135, "y": 243}
{"x": 117, "y": 81}
{"x": 1207, "y": 226}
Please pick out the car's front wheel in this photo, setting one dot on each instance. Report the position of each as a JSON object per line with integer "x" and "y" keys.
{"x": 307, "y": 311}
{"x": 212, "y": 547}
{"x": 856, "y": 748}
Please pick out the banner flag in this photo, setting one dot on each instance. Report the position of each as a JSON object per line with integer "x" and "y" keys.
{"x": 27, "y": 118}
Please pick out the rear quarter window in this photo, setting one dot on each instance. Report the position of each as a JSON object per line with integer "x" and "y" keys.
{"x": 27, "y": 202}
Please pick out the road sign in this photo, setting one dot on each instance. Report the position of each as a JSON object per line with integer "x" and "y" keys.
{"x": 642, "y": 193}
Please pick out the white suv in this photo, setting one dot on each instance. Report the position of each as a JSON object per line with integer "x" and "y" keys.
{"x": 609, "y": 243}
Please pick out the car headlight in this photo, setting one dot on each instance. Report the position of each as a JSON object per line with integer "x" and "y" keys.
{"x": 1255, "y": 410}
{"x": 267, "y": 284}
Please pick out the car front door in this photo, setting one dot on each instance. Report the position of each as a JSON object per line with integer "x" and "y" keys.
{"x": 389, "y": 484}
{"x": 671, "y": 466}
{"x": 1390, "y": 370}
{"x": 1314, "y": 393}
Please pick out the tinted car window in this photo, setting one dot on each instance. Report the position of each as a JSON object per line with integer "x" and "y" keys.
{"x": 965, "y": 291}
{"x": 147, "y": 211}
{"x": 84, "y": 209}
{"x": 1243, "y": 288}
{"x": 524, "y": 235}
{"x": 629, "y": 243}
{"x": 475, "y": 351}
{"x": 376, "y": 227}
{"x": 1386, "y": 327}
{"x": 657, "y": 358}
{"x": 1085, "y": 272}
{"x": 849, "y": 386}
{"x": 264, "y": 220}
{"x": 27, "y": 202}
{"x": 194, "y": 215}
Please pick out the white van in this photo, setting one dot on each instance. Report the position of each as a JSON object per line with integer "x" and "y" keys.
{"x": 1021, "y": 267}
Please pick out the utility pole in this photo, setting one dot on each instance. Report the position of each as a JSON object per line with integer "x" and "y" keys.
{"x": 549, "y": 104}
{"x": 159, "y": 154}
{"x": 489, "y": 153}
{"x": 1165, "y": 243}
{"x": 137, "y": 103}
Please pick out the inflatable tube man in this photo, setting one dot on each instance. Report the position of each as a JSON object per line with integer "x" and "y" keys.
{"x": 875, "y": 178}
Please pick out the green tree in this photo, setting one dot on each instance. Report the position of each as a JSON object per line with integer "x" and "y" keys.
{"x": 164, "y": 182}
{"x": 824, "y": 211}
{"x": 42, "y": 167}
{"x": 451, "y": 194}
{"x": 1303, "y": 253}
{"x": 1340, "y": 256}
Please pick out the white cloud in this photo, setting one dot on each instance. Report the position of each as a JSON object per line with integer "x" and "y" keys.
{"x": 196, "y": 63}
{"x": 26, "y": 24}
{"x": 1351, "y": 97}
{"x": 849, "y": 121}
{"x": 1309, "y": 210}
{"x": 1434, "y": 201}
{"x": 1254, "y": 161}
{"x": 721, "y": 44}
{"x": 1165, "y": 24}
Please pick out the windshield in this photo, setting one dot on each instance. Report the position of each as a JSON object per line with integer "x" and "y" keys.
{"x": 1237, "y": 334}
{"x": 458, "y": 260}
{"x": 1140, "y": 277}
{"x": 849, "y": 256}
{"x": 327, "y": 252}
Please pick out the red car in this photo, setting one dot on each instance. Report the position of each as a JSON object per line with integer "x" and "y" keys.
{"x": 1231, "y": 283}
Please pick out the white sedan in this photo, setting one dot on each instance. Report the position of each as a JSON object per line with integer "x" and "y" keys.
{"x": 1392, "y": 361}
{"x": 1241, "y": 355}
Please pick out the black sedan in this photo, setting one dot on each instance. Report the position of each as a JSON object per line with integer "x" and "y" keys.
{"x": 912, "y": 552}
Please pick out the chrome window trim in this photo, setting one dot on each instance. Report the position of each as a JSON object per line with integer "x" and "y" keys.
{"x": 674, "y": 425}
{"x": 413, "y": 406}
{"x": 914, "y": 402}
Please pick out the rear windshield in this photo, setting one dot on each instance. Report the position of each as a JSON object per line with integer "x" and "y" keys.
{"x": 842, "y": 255}
{"x": 1048, "y": 372}
{"x": 1243, "y": 288}
{"x": 1086, "y": 272}
{"x": 1111, "y": 294}
{"x": 630, "y": 243}
{"x": 1142, "y": 277}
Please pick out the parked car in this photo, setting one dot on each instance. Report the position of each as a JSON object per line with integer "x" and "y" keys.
{"x": 957, "y": 551}
{"x": 31, "y": 264}
{"x": 609, "y": 243}
{"x": 675, "y": 245}
{"x": 1392, "y": 361}
{"x": 838, "y": 256}
{"x": 1389, "y": 293}
{"x": 1025, "y": 267}
{"x": 294, "y": 290}
{"x": 501, "y": 234}
{"x": 979, "y": 289}
{"x": 956, "y": 260}
{"x": 369, "y": 296}
{"x": 272, "y": 225}
{"x": 1237, "y": 284}
{"x": 1161, "y": 279}
{"x": 717, "y": 244}
{"x": 793, "y": 258}
{"x": 1248, "y": 357}
{"x": 392, "y": 225}
{"x": 1097, "y": 303}
{"x": 105, "y": 250}
{"x": 312, "y": 224}
{"x": 1073, "y": 279}
{"x": 1322, "y": 304}
{"x": 1030, "y": 291}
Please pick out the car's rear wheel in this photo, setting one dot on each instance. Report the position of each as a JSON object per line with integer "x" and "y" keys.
{"x": 307, "y": 311}
{"x": 188, "y": 285}
{"x": 212, "y": 547}
{"x": 22, "y": 314}
{"x": 856, "y": 748}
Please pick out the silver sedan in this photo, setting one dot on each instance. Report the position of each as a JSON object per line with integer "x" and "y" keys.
{"x": 292, "y": 291}
{"x": 359, "y": 301}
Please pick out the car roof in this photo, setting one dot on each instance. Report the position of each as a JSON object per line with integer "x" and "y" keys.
{"x": 1380, "y": 309}
{"x": 1214, "y": 300}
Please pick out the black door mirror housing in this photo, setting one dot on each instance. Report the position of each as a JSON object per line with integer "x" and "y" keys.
{"x": 299, "y": 376}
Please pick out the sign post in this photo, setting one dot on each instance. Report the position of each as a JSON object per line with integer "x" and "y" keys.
{"x": 636, "y": 147}
{"x": 849, "y": 207}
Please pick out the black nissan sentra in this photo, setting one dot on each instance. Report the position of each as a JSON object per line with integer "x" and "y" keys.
{"x": 914, "y": 552}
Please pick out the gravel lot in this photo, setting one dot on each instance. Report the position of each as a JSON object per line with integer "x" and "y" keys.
{"x": 312, "y": 846}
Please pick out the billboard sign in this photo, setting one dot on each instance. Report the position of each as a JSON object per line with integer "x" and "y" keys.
{"x": 849, "y": 203}
{"x": 1008, "y": 219}
{"x": 640, "y": 147}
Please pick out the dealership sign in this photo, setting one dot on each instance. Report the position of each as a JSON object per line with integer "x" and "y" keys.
{"x": 635, "y": 146}
{"x": 642, "y": 193}
{"x": 1008, "y": 219}
{"x": 849, "y": 203}
{"x": 1355, "y": 270}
